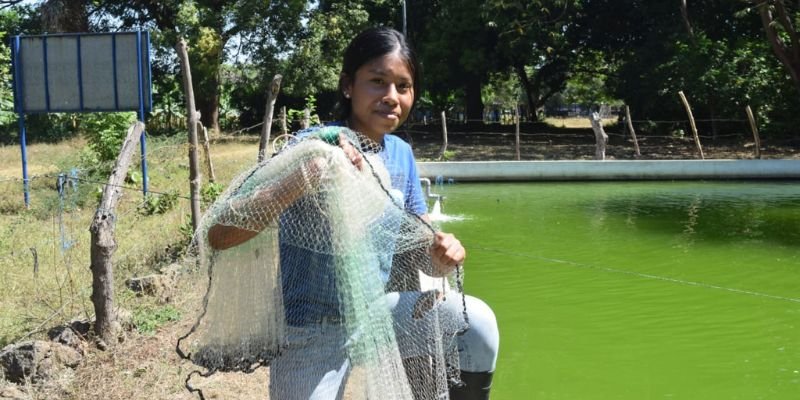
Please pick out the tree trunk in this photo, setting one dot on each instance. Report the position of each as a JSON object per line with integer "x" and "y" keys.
{"x": 266, "y": 127}
{"x": 209, "y": 105}
{"x": 104, "y": 244}
{"x": 474, "y": 102}
{"x": 686, "y": 23}
{"x": 191, "y": 115}
{"x": 530, "y": 96}
{"x": 600, "y": 136}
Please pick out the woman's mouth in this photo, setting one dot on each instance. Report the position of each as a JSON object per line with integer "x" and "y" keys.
{"x": 388, "y": 115}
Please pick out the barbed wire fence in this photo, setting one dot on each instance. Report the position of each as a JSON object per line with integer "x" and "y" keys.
{"x": 44, "y": 250}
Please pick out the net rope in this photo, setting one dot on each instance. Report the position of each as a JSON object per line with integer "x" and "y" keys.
{"x": 334, "y": 240}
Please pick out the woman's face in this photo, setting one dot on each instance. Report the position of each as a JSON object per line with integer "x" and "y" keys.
{"x": 381, "y": 94}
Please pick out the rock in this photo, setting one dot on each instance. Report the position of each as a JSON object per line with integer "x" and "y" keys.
{"x": 13, "y": 392}
{"x": 172, "y": 270}
{"x": 37, "y": 360}
{"x": 125, "y": 319}
{"x": 68, "y": 337}
{"x": 157, "y": 285}
{"x": 81, "y": 327}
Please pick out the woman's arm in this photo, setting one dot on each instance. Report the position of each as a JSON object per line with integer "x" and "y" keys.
{"x": 271, "y": 202}
{"x": 264, "y": 207}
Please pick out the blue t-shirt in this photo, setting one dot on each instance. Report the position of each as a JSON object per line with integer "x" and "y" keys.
{"x": 308, "y": 277}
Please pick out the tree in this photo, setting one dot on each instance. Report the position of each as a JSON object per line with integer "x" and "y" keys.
{"x": 722, "y": 62}
{"x": 534, "y": 40}
{"x": 6, "y": 96}
{"x": 214, "y": 28}
{"x": 781, "y": 27}
{"x": 315, "y": 63}
{"x": 65, "y": 15}
{"x": 457, "y": 55}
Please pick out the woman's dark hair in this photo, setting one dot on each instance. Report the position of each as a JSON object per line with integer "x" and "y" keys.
{"x": 370, "y": 44}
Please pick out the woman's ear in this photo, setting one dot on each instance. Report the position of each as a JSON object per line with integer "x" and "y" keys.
{"x": 346, "y": 84}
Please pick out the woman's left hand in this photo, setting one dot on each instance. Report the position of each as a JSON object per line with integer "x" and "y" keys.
{"x": 447, "y": 253}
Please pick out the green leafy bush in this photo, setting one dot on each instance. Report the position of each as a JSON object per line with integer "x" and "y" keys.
{"x": 158, "y": 203}
{"x": 148, "y": 319}
{"x": 210, "y": 191}
{"x": 105, "y": 133}
{"x": 293, "y": 115}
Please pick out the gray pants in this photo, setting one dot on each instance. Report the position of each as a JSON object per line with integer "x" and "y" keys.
{"x": 316, "y": 366}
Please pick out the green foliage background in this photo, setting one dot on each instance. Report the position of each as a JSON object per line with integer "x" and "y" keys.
{"x": 538, "y": 55}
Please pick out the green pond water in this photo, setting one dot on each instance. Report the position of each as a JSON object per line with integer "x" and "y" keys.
{"x": 657, "y": 290}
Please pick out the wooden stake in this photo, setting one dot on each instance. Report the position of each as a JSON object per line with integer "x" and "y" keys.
{"x": 754, "y": 128}
{"x": 284, "y": 131}
{"x": 212, "y": 177}
{"x": 444, "y": 136}
{"x": 103, "y": 243}
{"x": 691, "y": 122}
{"x": 306, "y": 122}
{"x": 633, "y": 132}
{"x": 516, "y": 131}
{"x": 192, "y": 117}
{"x": 266, "y": 128}
{"x": 35, "y": 262}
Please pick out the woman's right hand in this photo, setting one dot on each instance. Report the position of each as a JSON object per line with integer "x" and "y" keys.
{"x": 351, "y": 152}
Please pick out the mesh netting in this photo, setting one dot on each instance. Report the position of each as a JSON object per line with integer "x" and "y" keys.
{"x": 331, "y": 243}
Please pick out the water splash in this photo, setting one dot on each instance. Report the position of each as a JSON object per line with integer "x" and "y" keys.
{"x": 436, "y": 214}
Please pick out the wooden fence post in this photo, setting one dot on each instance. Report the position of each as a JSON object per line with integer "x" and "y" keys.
{"x": 633, "y": 132}
{"x": 284, "y": 130}
{"x": 191, "y": 115}
{"x": 516, "y": 131}
{"x": 754, "y": 128}
{"x": 266, "y": 128}
{"x": 104, "y": 244}
{"x": 692, "y": 124}
{"x": 600, "y": 137}
{"x": 306, "y": 122}
{"x": 444, "y": 136}
{"x": 212, "y": 177}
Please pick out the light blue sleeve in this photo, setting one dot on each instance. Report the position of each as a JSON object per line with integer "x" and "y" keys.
{"x": 415, "y": 199}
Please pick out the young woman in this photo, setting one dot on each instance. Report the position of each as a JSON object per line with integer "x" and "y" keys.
{"x": 378, "y": 86}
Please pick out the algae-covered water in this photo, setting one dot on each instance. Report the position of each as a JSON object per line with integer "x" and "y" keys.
{"x": 657, "y": 290}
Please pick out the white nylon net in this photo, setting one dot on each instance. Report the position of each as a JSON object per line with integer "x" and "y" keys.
{"x": 329, "y": 243}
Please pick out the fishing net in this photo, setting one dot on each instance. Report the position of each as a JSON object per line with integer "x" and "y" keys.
{"x": 327, "y": 242}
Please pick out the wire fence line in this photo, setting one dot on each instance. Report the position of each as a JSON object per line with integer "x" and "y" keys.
{"x": 45, "y": 250}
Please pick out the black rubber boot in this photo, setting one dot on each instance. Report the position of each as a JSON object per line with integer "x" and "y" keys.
{"x": 476, "y": 386}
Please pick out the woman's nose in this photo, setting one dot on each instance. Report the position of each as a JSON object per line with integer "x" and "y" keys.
{"x": 390, "y": 97}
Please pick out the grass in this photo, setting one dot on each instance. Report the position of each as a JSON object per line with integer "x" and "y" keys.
{"x": 576, "y": 122}
{"x": 44, "y": 260}
{"x": 55, "y": 229}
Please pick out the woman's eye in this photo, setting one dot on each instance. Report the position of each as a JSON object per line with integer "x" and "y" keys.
{"x": 378, "y": 81}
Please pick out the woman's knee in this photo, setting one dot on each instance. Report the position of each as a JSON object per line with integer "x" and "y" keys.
{"x": 480, "y": 343}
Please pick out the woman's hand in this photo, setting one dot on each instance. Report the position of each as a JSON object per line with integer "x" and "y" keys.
{"x": 352, "y": 154}
{"x": 447, "y": 253}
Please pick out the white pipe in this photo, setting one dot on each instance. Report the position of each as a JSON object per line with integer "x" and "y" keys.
{"x": 611, "y": 170}
{"x": 426, "y": 184}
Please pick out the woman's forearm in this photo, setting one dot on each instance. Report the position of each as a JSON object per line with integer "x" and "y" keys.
{"x": 247, "y": 217}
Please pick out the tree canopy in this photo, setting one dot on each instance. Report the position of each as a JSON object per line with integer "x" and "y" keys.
{"x": 477, "y": 56}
